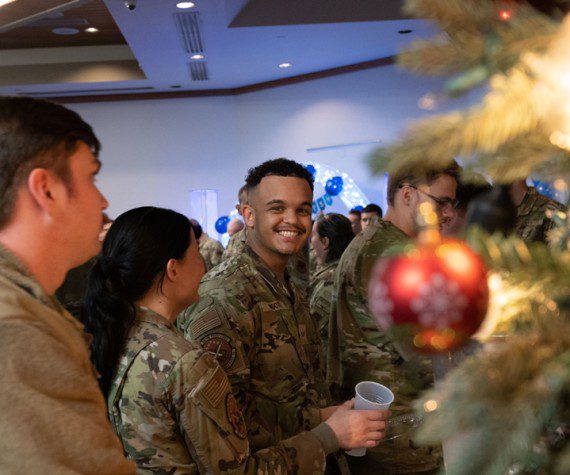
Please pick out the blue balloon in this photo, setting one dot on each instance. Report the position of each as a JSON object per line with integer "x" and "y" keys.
{"x": 546, "y": 189}
{"x": 312, "y": 170}
{"x": 334, "y": 186}
{"x": 222, "y": 224}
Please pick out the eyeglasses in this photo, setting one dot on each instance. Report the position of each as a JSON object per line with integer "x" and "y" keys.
{"x": 442, "y": 203}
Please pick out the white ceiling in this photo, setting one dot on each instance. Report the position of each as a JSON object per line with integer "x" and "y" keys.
{"x": 235, "y": 57}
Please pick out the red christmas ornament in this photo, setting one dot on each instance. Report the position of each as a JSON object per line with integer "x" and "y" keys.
{"x": 436, "y": 295}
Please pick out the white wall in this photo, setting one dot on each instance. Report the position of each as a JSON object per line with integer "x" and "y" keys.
{"x": 374, "y": 104}
{"x": 155, "y": 151}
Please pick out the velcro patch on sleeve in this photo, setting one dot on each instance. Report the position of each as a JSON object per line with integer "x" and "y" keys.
{"x": 235, "y": 417}
{"x": 217, "y": 387}
{"x": 205, "y": 323}
{"x": 221, "y": 347}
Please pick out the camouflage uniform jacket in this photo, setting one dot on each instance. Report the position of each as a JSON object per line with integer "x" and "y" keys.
{"x": 211, "y": 251}
{"x": 171, "y": 405}
{"x": 264, "y": 338}
{"x": 321, "y": 297}
{"x": 235, "y": 245}
{"x": 52, "y": 412}
{"x": 358, "y": 351}
{"x": 532, "y": 224}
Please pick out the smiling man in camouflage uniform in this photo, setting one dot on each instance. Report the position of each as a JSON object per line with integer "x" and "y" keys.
{"x": 255, "y": 321}
{"x": 358, "y": 351}
{"x": 298, "y": 264}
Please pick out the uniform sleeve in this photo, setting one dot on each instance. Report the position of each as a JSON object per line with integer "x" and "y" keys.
{"x": 216, "y": 254}
{"x": 215, "y": 432}
{"x": 51, "y": 409}
{"x": 320, "y": 304}
{"x": 224, "y": 327}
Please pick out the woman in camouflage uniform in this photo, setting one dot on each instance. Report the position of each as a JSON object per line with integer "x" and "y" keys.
{"x": 331, "y": 235}
{"x": 169, "y": 401}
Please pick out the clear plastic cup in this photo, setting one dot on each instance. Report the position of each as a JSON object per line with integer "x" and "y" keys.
{"x": 369, "y": 396}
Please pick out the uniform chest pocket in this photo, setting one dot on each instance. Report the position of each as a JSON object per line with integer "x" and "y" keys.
{"x": 280, "y": 350}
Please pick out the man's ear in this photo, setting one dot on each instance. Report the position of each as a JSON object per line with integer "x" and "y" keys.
{"x": 45, "y": 188}
{"x": 326, "y": 243}
{"x": 248, "y": 215}
{"x": 407, "y": 195}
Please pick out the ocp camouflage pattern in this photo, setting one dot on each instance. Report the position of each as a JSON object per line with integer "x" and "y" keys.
{"x": 359, "y": 351}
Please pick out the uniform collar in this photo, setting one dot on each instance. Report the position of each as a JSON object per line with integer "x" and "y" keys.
{"x": 268, "y": 275}
{"x": 326, "y": 267}
{"x": 13, "y": 269}
{"x": 385, "y": 225}
{"x": 529, "y": 199}
{"x": 145, "y": 314}
{"x": 16, "y": 271}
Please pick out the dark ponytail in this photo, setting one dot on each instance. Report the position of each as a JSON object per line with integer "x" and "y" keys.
{"x": 135, "y": 253}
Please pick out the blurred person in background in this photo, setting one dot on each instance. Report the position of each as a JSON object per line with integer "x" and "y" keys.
{"x": 355, "y": 216}
{"x": 330, "y": 236}
{"x": 210, "y": 249}
{"x": 370, "y": 214}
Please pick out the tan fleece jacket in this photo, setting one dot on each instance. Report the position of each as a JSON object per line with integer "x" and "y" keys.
{"x": 52, "y": 414}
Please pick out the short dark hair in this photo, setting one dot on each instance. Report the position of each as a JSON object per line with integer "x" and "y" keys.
{"x": 338, "y": 229}
{"x": 277, "y": 167}
{"x": 135, "y": 253}
{"x": 242, "y": 194}
{"x": 373, "y": 208}
{"x": 197, "y": 228}
{"x": 419, "y": 175}
{"x": 355, "y": 212}
{"x": 36, "y": 134}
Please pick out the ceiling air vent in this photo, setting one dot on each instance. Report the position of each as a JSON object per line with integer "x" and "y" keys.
{"x": 189, "y": 28}
{"x": 198, "y": 71}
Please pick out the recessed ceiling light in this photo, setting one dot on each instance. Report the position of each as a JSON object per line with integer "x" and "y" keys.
{"x": 197, "y": 56}
{"x": 65, "y": 31}
{"x": 91, "y": 30}
{"x": 5, "y": 2}
{"x": 184, "y": 4}
{"x": 285, "y": 65}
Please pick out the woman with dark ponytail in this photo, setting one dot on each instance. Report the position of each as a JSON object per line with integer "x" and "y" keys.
{"x": 169, "y": 402}
{"x": 331, "y": 235}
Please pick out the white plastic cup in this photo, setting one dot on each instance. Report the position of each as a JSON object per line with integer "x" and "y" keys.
{"x": 370, "y": 396}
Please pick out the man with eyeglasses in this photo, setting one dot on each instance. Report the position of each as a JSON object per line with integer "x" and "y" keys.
{"x": 357, "y": 350}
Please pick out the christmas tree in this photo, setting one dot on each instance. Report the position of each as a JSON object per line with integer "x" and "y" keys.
{"x": 505, "y": 410}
